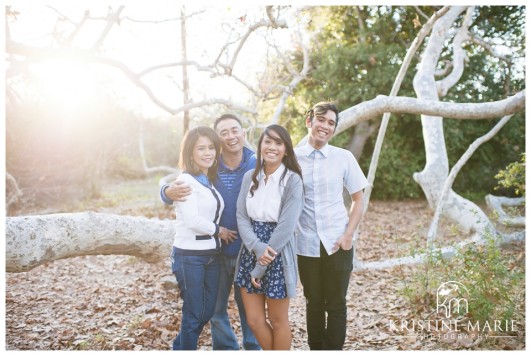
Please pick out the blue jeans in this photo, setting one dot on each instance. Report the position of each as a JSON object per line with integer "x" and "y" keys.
{"x": 223, "y": 337}
{"x": 198, "y": 278}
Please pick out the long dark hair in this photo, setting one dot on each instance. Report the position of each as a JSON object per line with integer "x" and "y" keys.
{"x": 289, "y": 159}
{"x": 186, "y": 162}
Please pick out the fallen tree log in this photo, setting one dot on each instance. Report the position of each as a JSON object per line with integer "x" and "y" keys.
{"x": 34, "y": 240}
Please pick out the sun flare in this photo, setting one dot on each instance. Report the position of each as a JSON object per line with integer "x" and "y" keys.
{"x": 67, "y": 86}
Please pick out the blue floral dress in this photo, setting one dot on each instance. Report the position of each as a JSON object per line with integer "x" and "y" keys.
{"x": 273, "y": 284}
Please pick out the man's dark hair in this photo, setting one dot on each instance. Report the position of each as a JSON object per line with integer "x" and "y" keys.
{"x": 321, "y": 108}
{"x": 226, "y": 117}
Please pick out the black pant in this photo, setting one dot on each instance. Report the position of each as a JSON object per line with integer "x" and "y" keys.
{"x": 325, "y": 280}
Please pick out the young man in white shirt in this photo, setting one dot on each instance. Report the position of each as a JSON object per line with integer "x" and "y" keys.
{"x": 325, "y": 232}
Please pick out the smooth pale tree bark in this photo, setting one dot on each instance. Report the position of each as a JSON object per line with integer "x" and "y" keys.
{"x": 447, "y": 252}
{"x": 465, "y": 213}
{"x": 399, "y": 104}
{"x": 34, "y": 240}
{"x": 424, "y": 31}
{"x": 432, "y": 232}
{"x": 496, "y": 204}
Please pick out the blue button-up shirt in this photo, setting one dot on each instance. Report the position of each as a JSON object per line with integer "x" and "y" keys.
{"x": 324, "y": 217}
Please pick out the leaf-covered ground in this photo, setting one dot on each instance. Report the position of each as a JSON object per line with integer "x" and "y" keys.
{"x": 123, "y": 303}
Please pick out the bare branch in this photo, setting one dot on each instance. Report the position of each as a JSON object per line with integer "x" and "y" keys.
{"x": 80, "y": 25}
{"x": 32, "y": 241}
{"x": 421, "y": 13}
{"x": 298, "y": 77}
{"x": 212, "y": 101}
{"x": 426, "y": 28}
{"x": 88, "y": 56}
{"x": 432, "y": 232}
{"x": 490, "y": 49}
{"x": 444, "y": 71}
{"x": 163, "y": 20}
{"x": 112, "y": 19}
{"x": 199, "y": 67}
{"x": 496, "y": 204}
{"x": 399, "y": 104}
{"x": 459, "y": 56}
{"x": 274, "y": 21}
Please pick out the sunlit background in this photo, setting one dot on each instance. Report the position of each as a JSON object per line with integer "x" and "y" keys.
{"x": 91, "y": 98}
{"x": 81, "y": 106}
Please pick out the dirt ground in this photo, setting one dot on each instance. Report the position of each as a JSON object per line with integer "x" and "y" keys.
{"x": 124, "y": 303}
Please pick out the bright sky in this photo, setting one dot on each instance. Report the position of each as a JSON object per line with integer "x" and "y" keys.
{"x": 140, "y": 45}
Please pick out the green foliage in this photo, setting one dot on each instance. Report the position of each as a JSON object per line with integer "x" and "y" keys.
{"x": 513, "y": 176}
{"x": 492, "y": 279}
{"x": 354, "y": 63}
{"x": 399, "y": 160}
{"x": 476, "y": 179}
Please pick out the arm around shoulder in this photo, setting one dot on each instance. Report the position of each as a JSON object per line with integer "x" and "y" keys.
{"x": 191, "y": 212}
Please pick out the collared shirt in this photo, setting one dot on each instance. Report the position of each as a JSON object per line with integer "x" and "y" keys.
{"x": 324, "y": 218}
{"x": 264, "y": 205}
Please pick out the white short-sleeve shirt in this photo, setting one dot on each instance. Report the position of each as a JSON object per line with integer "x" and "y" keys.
{"x": 324, "y": 217}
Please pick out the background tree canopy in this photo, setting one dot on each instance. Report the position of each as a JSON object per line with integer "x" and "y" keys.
{"x": 356, "y": 52}
{"x": 357, "y": 56}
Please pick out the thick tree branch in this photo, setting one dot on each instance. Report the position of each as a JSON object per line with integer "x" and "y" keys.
{"x": 405, "y": 105}
{"x": 432, "y": 232}
{"x": 34, "y": 240}
{"x": 496, "y": 205}
{"x": 112, "y": 19}
{"x": 465, "y": 111}
{"x": 460, "y": 56}
{"x": 424, "y": 31}
{"x": 446, "y": 252}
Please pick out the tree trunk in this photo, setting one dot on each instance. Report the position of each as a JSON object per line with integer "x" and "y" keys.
{"x": 186, "y": 86}
{"x": 360, "y": 136}
{"x": 465, "y": 213}
{"x": 432, "y": 232}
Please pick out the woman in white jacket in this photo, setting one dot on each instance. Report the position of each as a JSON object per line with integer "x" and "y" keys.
{"x": 195, "y": 255}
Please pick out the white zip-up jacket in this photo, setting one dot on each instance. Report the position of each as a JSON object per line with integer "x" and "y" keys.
{"x": 197, "y": 219}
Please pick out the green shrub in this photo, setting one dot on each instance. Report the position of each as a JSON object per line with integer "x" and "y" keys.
{"x": 492, "y": 278}
{"x": 513, "y": 177}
